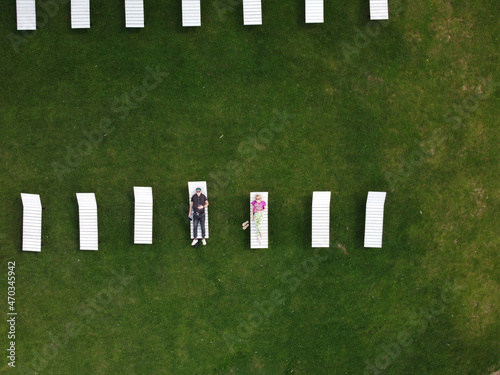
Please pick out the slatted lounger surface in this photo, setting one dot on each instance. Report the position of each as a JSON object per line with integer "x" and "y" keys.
{"x": 252, "y": 12}
{"x": 80, "y": 14}
{"x": 321, "y": 219}
{"x": 191, "y": 13}
{"x": 379, "y": 10}
{"x": 314, "y": 11}
{"x": 134, "y": 13}
{"x": 143, "y": 217}
{"x": 192, "y": 185}
{"x": 254, "y": 242}
{"x": 88, "y": 221}
{"x": 374, "y": 221}
{"x": 26, "y": 14}
{"x": 32, "y": 222}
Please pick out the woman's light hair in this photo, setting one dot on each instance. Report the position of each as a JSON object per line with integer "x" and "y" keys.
{"x": 258, "y": 197}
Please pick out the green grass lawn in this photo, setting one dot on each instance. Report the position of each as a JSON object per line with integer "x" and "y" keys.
{"x": 409, "y": 106}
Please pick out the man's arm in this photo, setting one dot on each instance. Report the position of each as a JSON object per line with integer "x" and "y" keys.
{"x": 206, "y": 204}
{"x": 190, "y": 208}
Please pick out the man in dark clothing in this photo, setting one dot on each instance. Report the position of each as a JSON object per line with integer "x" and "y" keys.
{"x": 198, "y": 203}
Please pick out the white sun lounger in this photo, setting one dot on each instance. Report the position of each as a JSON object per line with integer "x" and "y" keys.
{"x": 374, "y": 221}
{"x": 379, "y": 10}
{"x": 254, "y": 242}
{"x": 321, "y": 219}
{"x": 252, "y": 12}
{"x": 88, "y": 221}
{"x": 191, "y": 13}
{"x": 32, "y": 222}
{"x": 26, "y": 14}
{"x": 314, "y": 11}
{"x": 143, "y": 218}
{"x": 134, "y": 13}
{"x": 192, "y": 185}
{"x": 80, "y": 14}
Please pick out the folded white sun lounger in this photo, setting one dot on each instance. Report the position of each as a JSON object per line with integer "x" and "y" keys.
{"x": 379, "y": 10}
{"x": 80, "y": 14}
{"x": 32, "y": 222}
{"x": 143, "y": 215}
{"x": 252, "y": 12}
{"x": 374, "y": 221}
{"x": 314, "y": 11}
{"x": 87, "y": 206}
{"x": 134, "y": 13}
{"x": 321, "y": 219}
{"x": 191, "y": 13}
{"x": 26, "y": 14}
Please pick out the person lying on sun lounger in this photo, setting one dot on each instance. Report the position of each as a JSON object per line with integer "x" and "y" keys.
{"x": 258, "y": 207}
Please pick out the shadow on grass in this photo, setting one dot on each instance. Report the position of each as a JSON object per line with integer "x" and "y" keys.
{"x": 244, "y": 208}
{"x": 358, "y": 231}
{"x": 364, "y": 13}
{"x": 183, "y": 210}
{"x": 20, "y": 244}
{"x": 130, "y": 195}
{"x": 306, "y": 230}
{"x": 76, "y": 220}
{"x": 301, "y": 15}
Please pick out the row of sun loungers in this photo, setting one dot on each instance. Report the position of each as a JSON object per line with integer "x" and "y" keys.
{"x": 191, "y": 13}
{"x": 87, "y": 212}
{"x": 143, "y": 219}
